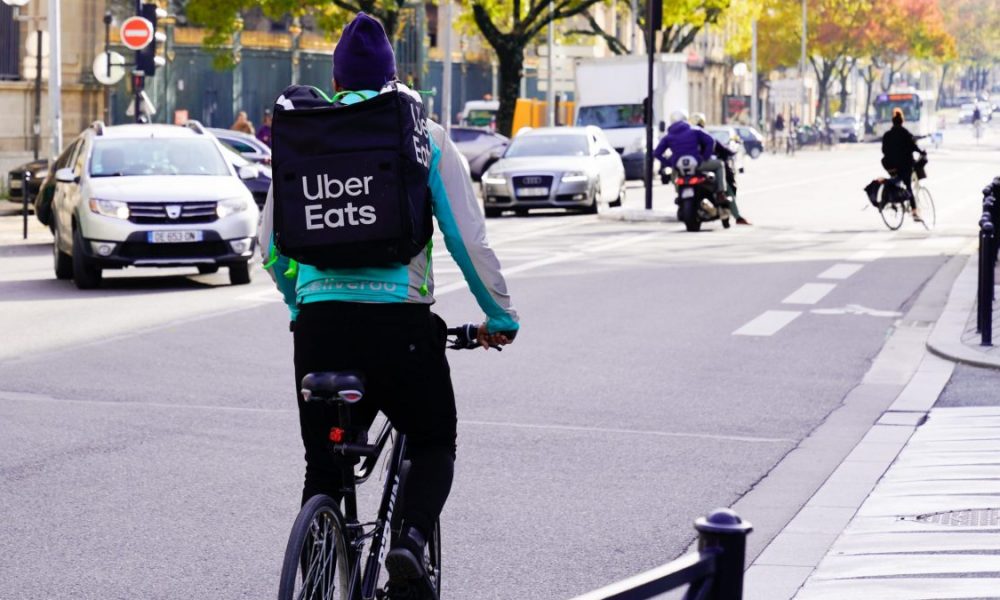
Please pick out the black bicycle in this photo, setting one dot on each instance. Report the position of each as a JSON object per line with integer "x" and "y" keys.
{"x": 330, "y": 554}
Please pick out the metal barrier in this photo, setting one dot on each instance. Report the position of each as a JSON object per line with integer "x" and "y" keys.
{"x": 988, "y": 247}
{"x": 714, "y": 572}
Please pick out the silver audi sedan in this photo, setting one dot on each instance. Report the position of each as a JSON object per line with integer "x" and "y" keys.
{"x": 555, "y": 167}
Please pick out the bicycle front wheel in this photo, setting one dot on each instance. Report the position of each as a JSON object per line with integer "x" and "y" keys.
{"x": 925, "y": 203}
{"x": 892, "y": 212}
{"x": 316, "y": 559}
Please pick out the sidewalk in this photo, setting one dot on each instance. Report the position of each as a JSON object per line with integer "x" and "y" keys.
{"x": 910, "y": 511}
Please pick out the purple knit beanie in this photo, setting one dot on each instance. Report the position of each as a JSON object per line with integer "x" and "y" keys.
{"x": 363, "y": 58}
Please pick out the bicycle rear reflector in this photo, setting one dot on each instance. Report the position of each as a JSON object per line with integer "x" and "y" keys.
{"x": 336, "y": 435}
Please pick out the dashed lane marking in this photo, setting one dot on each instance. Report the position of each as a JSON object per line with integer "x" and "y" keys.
{"x": 810, "y": 293}
{"x": 840, "y": 271}
{"x": 769, "y": 323}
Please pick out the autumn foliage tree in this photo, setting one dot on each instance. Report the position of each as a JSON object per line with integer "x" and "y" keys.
{"x": 975, "y": 27}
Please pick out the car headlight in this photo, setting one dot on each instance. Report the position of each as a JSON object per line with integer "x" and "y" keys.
{"x": 115, "y": 209}
{"x": 231, "y": 206}
{"x": 575, "y": 177}
{"x": 491, "y": 179}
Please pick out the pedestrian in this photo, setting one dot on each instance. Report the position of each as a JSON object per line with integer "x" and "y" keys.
{"x": 376, "y": 319}
{"x": 264, "y": 131}
{"x": 242, "y": 123}
{"x": 779, "y": 130}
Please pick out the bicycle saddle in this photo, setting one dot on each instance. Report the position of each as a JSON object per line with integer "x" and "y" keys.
{"x": 329, "y": 385}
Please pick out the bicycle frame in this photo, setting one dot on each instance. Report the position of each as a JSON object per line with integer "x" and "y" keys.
{"x": 364, "y": 582}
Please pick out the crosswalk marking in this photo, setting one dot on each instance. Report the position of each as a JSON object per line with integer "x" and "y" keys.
{"x": 840, "y": 271}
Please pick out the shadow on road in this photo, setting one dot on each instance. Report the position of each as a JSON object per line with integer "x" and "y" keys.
{"x": 54, "y": 289}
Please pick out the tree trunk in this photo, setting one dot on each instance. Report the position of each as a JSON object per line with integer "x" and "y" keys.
{"x": 941, "y": 85}
{"x": 843, "y": 91}
{"x": 869, "y": 84}
{"x": 511, "y": 67}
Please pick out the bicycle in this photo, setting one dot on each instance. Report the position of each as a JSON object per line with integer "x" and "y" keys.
{"x": 327, "y": 546}
{"x": 894, "y": 198}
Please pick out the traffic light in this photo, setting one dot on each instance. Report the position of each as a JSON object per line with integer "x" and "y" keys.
{"x": 146, "y": 59}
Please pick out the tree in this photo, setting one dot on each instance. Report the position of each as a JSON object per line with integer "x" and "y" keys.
{"x": 974, "y": 25}
{"x": 684, "y": 19}
{"x": 221, "y": 17}
{"x": 509, "y": 27}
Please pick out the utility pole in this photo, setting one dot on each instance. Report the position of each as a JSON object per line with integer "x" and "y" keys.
{"x": 802, "y": 64}
{"x": 446, "y": 79}
{"x": 550, "y": 93}
{"x": 633, "y": 47}
{"x": 754, "y": 117}
{"x": 55, "y": 77}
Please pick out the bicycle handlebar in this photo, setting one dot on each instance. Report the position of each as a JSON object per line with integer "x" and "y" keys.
{"x": 465, "y": 337}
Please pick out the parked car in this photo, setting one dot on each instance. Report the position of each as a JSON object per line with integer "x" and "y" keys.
{"x": 555, "y": 167}
{"x": 151, "y": 196}
{"x": 753, "y": 140}
{"x": 247, "y": 145}
{"x": 479, "y": 113}
{"x": 258, "y": 185}
{"x": 15, "y": 178}
{"x": 847, "y": 128}
{"x": 727, "y": 136}
{"x": 480, "y": 147}
{"x": 635, "y": 163}
{"x": 806, "y": 135}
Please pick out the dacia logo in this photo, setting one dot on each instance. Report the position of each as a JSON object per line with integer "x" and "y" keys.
{"x": 173, "y": 211}
{"x": 331, "y": 188}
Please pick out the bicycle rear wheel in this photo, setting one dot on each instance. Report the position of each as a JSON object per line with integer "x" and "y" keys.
{"x": 892, "y": 212}
{"x": 316, "y": 561}
{"x": 432, "y": 558}
{"x": 925, "y": 204}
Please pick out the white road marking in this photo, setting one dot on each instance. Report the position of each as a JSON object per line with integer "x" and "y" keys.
{"x": 673, "y": 434}
{"x": 866, "y": 255}
{"x": 810, "y": 293}
{"x": 840, "y": 271}
{"x": 769, "y": 323}
{"x": 856, "y": 309}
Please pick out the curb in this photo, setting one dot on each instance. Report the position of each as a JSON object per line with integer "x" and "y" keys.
{"x": 946, "y": 337}
{"x": 637, "y": 215}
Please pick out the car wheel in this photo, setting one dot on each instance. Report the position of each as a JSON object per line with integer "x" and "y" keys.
{"x": 86, "y": 275}
{"x": 493, "y": 213}
{"x": 592, "y": 208}
{"x": 207, "y": 269}
{"x": 239, "y": 273}
{"x": 62, "y": 262}
{"x": 755, "y": 153}
{"x": 617, "y": 202}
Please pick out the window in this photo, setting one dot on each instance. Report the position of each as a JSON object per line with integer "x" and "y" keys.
{"x": 10, "y": 44}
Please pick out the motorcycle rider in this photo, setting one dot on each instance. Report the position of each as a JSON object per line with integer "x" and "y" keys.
{"x": 898, "y": 147}
{"x": 727, "y": 156}
{"x": 684, "y": 140}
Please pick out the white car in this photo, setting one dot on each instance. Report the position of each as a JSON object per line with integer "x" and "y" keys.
{"x": 151, "y": 196}
{"x": 555, "y": 167}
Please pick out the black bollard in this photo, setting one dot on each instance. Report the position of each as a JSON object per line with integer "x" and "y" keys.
{"x": 986, "y": 282}
{"x": 26, "y": 177}
{"x": 725, "y": 531}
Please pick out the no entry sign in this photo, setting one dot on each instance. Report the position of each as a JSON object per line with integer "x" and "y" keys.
{"x": 136, "y": 33}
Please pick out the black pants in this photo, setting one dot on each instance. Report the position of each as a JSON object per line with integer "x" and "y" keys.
{"x": 400, "y": 349}
{"x": 905, "y": 174}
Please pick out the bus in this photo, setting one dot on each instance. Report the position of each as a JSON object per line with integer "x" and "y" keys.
{"x": 917, "y": 107}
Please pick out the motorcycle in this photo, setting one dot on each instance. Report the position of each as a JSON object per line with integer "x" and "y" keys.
{"x": 696, "y": 200}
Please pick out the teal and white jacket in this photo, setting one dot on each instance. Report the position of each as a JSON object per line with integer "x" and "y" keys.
{"x": 459, "y": 219}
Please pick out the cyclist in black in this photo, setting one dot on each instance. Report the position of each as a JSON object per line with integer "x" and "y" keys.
{"x": 377, "y": 320}
{"x": 898, "y": 148}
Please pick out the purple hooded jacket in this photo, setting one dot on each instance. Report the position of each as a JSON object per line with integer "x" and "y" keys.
{"x": 684, "y": 140}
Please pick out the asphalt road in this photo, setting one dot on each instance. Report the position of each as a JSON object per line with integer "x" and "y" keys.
{"x": 150, "y": 445}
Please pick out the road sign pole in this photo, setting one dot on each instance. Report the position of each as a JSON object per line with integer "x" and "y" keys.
{"x": 37, "y": 126}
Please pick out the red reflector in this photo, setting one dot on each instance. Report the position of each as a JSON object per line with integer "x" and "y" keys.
{"x": 336, "y": 435}
{"x": 696, "y": 180}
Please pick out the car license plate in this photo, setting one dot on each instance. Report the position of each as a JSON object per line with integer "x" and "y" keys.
{"x": 533, "y": 191}
{"x": 687, "y": 193}
{"x": 175, "y": 237}
{"x": 15, "y": 183}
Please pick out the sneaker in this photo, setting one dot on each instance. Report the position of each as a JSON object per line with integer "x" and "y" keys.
{"x": 742, "y": 221}
{"x": 916, "y": 216}
{"x": 407, "y": 577}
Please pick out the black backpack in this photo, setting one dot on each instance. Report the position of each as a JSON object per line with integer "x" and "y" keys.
{"x": 350, "y": 181}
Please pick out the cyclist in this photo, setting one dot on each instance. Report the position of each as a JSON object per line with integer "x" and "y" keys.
{"x": 684, "y": 140}
{"x": 898, "y": 147}
{"x": 378, "y": 320}
{"x": 728, "y": 157}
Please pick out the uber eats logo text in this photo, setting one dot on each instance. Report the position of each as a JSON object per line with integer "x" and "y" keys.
{"x": 331, "y": 188}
